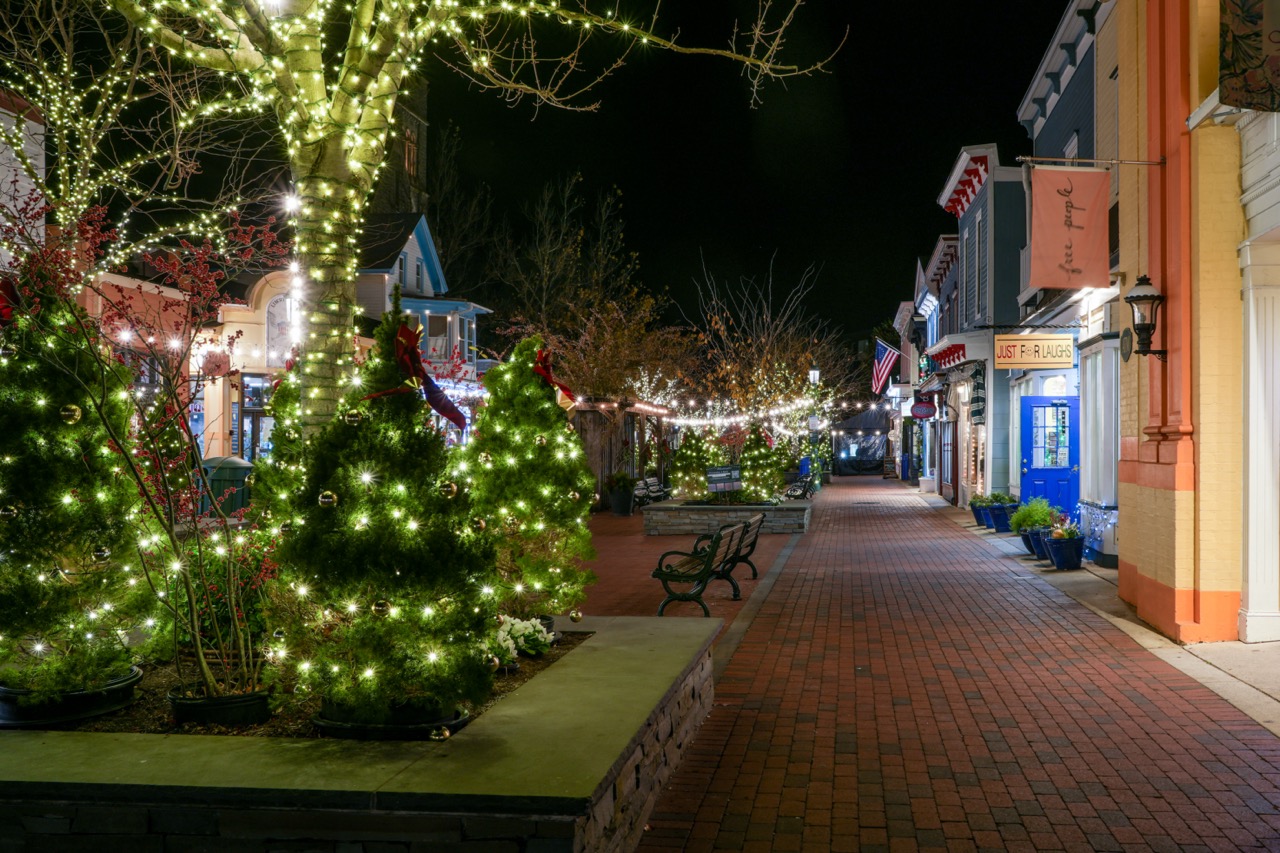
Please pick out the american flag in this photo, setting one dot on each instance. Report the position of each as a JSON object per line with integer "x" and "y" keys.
{"x": 886, "y": 358}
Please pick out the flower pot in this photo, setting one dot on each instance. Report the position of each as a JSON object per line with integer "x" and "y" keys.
{"x": 407, "y": 721}
{"x": 1026, "y": 541}
{"x": 985, "y": 511}
{"x": 977, "y": 513}
{"x": 1037, "y": 535}
{"x": 1065, "y": 553}
{"x": 1000, "y": 517}
{"x": 69, "y": 707}
{"x": 622, "y": 501}
{"x": 234, "y": 709}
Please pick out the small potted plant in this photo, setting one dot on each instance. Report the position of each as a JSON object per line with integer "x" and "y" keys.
{"x": 620, "y": 487}
{"x": 977, "y": 504}
{"x": 1034, "y": 514}
{"x": 999, "y": 508}
{"x": 1064, "y": 544}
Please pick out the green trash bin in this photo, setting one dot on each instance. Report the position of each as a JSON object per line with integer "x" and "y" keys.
{"x": 226, "y": 472}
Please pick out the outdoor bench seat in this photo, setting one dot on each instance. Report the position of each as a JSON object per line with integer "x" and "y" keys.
{"x": 742, "y": 551}
{"x": 801, "y": 489}
{"x": 649, "y": 490}
{"x": 697, "y": 568}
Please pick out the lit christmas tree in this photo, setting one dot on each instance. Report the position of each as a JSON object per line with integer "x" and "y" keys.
{"x": 527, "y": 476}
{"x": 761, "y": 476}
{"x": 390, "y": 594}
{"x": 68, "y": 597}
{"x": 697, "y": 452}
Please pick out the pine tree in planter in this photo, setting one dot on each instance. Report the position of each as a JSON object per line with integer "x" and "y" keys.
{"x": 761, "y": 477}
{"x": 67, "y": 594}
{"x": 389, "y": 597}
{"x": 527, "y": 477}
{"x": 697, "y": 452}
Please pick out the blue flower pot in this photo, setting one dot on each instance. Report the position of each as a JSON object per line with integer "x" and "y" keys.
{"x": 977, "y": 513}
{"x": 986, "y": 517}
{"x": 1037, "y": 541}
{"x": 1065, "y": 553}
{"x": 1027, "y": 543}
{"x": 1000, "y": 516}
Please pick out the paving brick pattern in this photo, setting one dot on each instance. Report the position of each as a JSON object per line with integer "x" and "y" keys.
{"x": 907, "y": 687}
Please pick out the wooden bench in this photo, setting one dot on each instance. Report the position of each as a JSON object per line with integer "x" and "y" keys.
{"x": 698, "y": 567}
{"x": 649, "y": 490}
{"x": 742, "y": 553}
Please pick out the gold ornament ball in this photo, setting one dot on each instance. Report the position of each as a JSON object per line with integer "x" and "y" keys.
{"x": 100, "y": 555}
{"x": 286, "y": 526}
{"x": 575, "y": 615}
{"x": 278, "y": 634}
{"x": 540, "y": 440}
{"x": 353, "y": 418}
{"x": 7, "y": 512}
{"x": 494, "y": 663}
{"x": 7, "y": 352}
{"x": 441, "y": 733}
{"x": 574, "y": 496}
{"x": 381, "y": 607}
{"x": 70, "y": 413}
{"x": 486, "y": 458}
{"x": 448, "y": 490}
{"x": 249, "y": 481}
{"x": 477, "y": 524}
{"x": 328, "y": 499}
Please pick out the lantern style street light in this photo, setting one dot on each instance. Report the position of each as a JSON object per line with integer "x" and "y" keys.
{"x": 1145, "y": 301}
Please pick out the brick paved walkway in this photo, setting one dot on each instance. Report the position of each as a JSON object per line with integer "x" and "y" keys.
{"x": 905, "y": 686}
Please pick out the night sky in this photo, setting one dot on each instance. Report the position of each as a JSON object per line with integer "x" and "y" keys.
{"x": 840, "y": 171}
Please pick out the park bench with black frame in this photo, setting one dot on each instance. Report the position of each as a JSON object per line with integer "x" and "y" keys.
{"x": 698, "y": 567}
{"x": 649, "y": 490}
{"x": 801, "y": 489}
{"x": 742, "y": 551}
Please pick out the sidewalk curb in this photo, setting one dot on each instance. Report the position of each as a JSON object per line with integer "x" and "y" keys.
{"x": 1092, "y": 590}
{"x": 728, "y": 642}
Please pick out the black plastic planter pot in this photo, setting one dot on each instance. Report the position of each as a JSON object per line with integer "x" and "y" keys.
{"x": 70, "y": 707}
{"x": 401, "y": 722}
{"x": 237, "y": 709}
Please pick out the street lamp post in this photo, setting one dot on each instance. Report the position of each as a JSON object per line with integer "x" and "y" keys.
{"x": 814, "y": 472}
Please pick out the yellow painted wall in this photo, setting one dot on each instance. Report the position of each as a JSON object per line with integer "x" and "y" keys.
{"x": 1217, "y": 228}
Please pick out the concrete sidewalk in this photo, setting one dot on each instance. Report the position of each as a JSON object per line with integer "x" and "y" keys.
{"x": 901, "y": 682}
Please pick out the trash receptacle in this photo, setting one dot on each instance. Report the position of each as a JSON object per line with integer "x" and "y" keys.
{"x": 226, "y": 472}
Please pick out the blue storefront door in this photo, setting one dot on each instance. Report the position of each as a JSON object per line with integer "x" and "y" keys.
{"x": 1051, "y": 450}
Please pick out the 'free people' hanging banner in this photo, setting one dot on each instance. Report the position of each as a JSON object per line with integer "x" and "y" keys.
{"x": 1069, "y": 247}
{"x": 1249, "y": 60}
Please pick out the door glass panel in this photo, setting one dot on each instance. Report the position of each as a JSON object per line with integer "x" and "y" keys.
{"x": 1051, "y": 447}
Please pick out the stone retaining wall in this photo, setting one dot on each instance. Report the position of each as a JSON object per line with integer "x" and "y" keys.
{"x": 563, "y": 765}
{"x": 673, "y": 517}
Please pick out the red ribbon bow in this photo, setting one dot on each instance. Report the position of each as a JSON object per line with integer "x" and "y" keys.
{"x": 8, "y": 300}
{"x": 542, "y": 367}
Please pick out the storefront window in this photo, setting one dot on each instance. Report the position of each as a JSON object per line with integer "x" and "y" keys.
{"x": 1050, "y": 442}
{"x": 251, "y": 425}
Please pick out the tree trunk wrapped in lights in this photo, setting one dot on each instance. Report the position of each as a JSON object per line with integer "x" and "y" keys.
{"x": 331, "y": 74}
{"x": 389, "y": 595}
{"x": 526, "y": 474}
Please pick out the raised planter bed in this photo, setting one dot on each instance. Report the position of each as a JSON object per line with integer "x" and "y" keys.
{"x": 571, "y": 762}
{"x": 694, "y": 517}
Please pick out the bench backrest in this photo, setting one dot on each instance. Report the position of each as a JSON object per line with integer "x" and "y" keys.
{"x": 729, "y": 537}
{"x": 752, "y": 528}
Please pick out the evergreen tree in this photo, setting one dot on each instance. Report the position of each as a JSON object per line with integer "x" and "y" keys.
{"x": 527, "y": 476}
{"x": 67, "y": 594}
{"x": 761, "y": 476}
{"x": 389, "y": 594}
{"x": 697, "y": 452}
